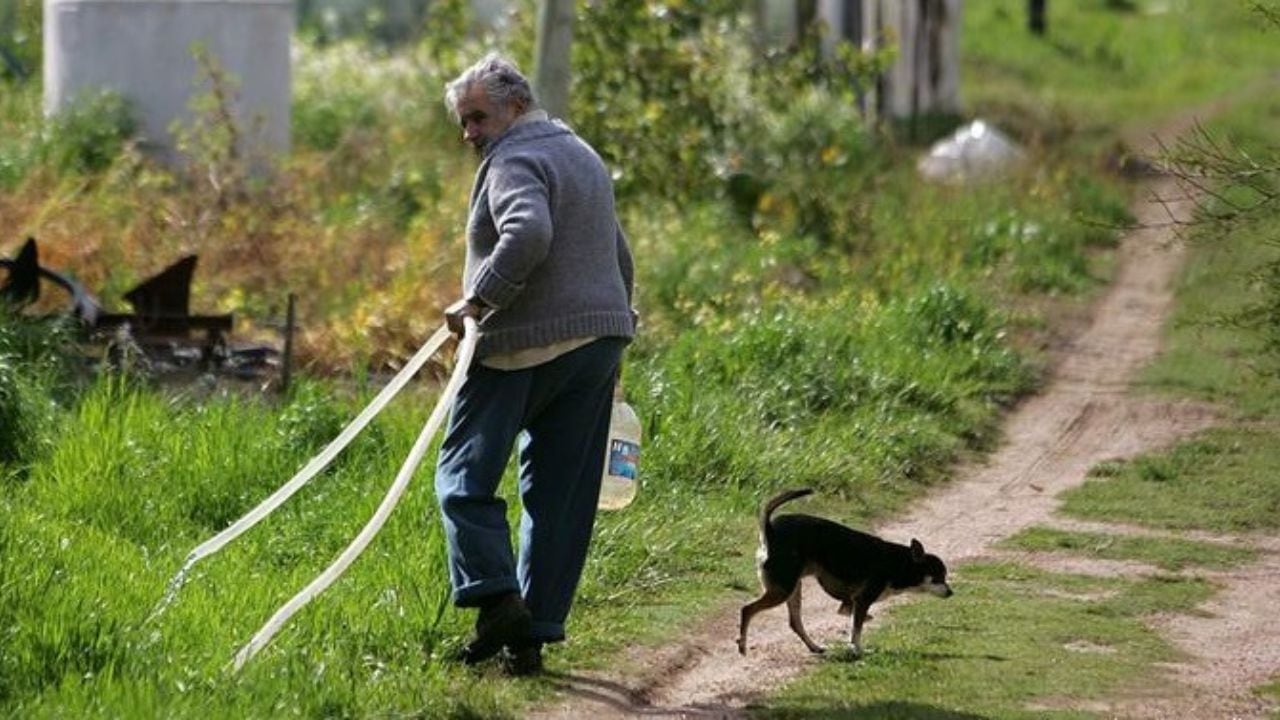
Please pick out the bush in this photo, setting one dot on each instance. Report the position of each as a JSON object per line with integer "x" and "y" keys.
{"x": 89, "y": 135}
{"x": 21, "y": 39}
{"x": 693, "y": 121}
{"x": 813, "y": 162}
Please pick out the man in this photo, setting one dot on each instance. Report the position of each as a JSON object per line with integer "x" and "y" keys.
{"x": 549, "y": 278}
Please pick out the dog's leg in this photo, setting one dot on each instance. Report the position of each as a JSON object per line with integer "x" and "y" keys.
{"x": 862, "y": 613}
{"x": 797, "y": 623}
{"x": 855, "y": 627}
{"x": 846, "y": 609}
{"x": 773, "y": 597}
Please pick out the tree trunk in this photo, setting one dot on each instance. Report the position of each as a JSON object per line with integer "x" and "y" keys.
{"x": 552, "y": 75}
{"x": 1035, "y": 16}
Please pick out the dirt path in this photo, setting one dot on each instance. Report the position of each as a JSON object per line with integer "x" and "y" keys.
{"x": 1084, "y": 416}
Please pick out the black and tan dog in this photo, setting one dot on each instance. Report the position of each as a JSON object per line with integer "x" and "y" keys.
{"x": 853, "y": 567}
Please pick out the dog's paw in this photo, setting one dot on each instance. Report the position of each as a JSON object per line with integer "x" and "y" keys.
{"x": 817, "y": 649}
{"x": 742, "y": 646}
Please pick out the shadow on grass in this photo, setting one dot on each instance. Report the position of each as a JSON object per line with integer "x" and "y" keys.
{"x": 847, "y": 655}
{"x": 634, "y": 703}
{"x": 885, "y": 710}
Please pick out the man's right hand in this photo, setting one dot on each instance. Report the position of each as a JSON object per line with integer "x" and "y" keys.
{"x": 455, "y": 313}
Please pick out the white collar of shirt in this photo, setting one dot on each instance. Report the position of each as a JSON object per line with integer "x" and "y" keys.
{"x": 531, "y": 116}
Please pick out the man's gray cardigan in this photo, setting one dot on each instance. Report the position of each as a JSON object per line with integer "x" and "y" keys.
{"x": 544, "y": 246}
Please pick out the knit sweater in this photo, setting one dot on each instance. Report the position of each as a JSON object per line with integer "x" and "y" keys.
{"x": 544, "y": 246}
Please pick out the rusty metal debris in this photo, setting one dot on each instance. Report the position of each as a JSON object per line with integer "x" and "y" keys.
{"x": 22, "y": 287}
{"x": 161, "y": 331}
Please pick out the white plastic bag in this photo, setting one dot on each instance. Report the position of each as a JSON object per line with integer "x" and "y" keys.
{"x": 975, "y": 151}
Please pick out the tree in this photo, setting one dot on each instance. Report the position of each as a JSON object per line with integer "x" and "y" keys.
{"x": 1243, "y": 188}
{"x": 552, "y": 71}
{"x": 1036, "y": 16}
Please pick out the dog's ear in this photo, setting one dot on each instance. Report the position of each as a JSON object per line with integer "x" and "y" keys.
{"x": 917, "y": 550}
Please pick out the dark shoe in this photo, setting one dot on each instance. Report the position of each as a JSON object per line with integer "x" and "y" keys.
{"x": 503, "y": 621}
{"x": 522, "y": 660}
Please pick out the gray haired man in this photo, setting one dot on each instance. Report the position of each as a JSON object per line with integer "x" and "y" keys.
{"x": 549, "y": 277}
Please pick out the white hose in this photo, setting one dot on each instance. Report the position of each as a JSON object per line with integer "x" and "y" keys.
{"x": 357, "y": 546}
{"x": 310, "y": 470}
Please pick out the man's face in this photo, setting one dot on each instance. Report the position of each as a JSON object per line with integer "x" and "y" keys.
{"x": 482, "y": 121}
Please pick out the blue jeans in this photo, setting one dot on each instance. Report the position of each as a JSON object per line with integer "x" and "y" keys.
{"x": 559, "y": 411}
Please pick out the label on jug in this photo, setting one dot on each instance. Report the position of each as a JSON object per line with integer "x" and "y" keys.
{"x": 623, "y": 457}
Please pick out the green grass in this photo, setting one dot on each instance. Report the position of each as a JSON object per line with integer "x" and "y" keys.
{"x": 1270, "y": 691}
{"x": 19, "y": 113}
{"x": 1011, "y": 643}
{"x": 1172, "y": 554}
{"x": 91, "y": 533}
{"x": 1099, "y": 68}
{"x": 1222, "y": 481}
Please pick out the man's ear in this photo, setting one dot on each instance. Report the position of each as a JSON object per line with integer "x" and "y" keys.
{"x": 917, "y": 550}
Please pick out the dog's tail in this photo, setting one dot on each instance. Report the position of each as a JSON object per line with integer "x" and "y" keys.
{"x": 766, "y": 512}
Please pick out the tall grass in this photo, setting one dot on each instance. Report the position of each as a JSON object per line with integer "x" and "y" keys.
{"x": 135, "y": 480}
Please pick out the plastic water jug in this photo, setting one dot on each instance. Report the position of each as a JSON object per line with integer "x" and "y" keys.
{"x": 622, "y": 456}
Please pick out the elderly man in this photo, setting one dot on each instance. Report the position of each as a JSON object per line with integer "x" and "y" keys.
{"x": 549, "y": 277}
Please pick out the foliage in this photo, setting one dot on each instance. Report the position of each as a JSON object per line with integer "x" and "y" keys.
{"x": 90, "y": 134}
{"x": 810, "y": 167}
{"x": 21, "y": 40}
{"x": 659, "y": 129}
{"x": 19, "y": 133}
{"x": 1243, "y": 187}
{"x": 705, "y": 111}
{"x": 384, "y": 24}
{"x": 84, "y": 138}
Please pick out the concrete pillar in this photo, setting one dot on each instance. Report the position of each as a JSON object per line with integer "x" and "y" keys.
{"x": 143, "y": 50}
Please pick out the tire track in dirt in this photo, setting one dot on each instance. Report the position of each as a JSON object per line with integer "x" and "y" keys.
{"x": 1082, "y": 418}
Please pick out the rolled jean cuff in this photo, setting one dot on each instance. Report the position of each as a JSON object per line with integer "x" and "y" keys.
{"x": 471, "y": 594}
{"x": 547, "y": 632}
